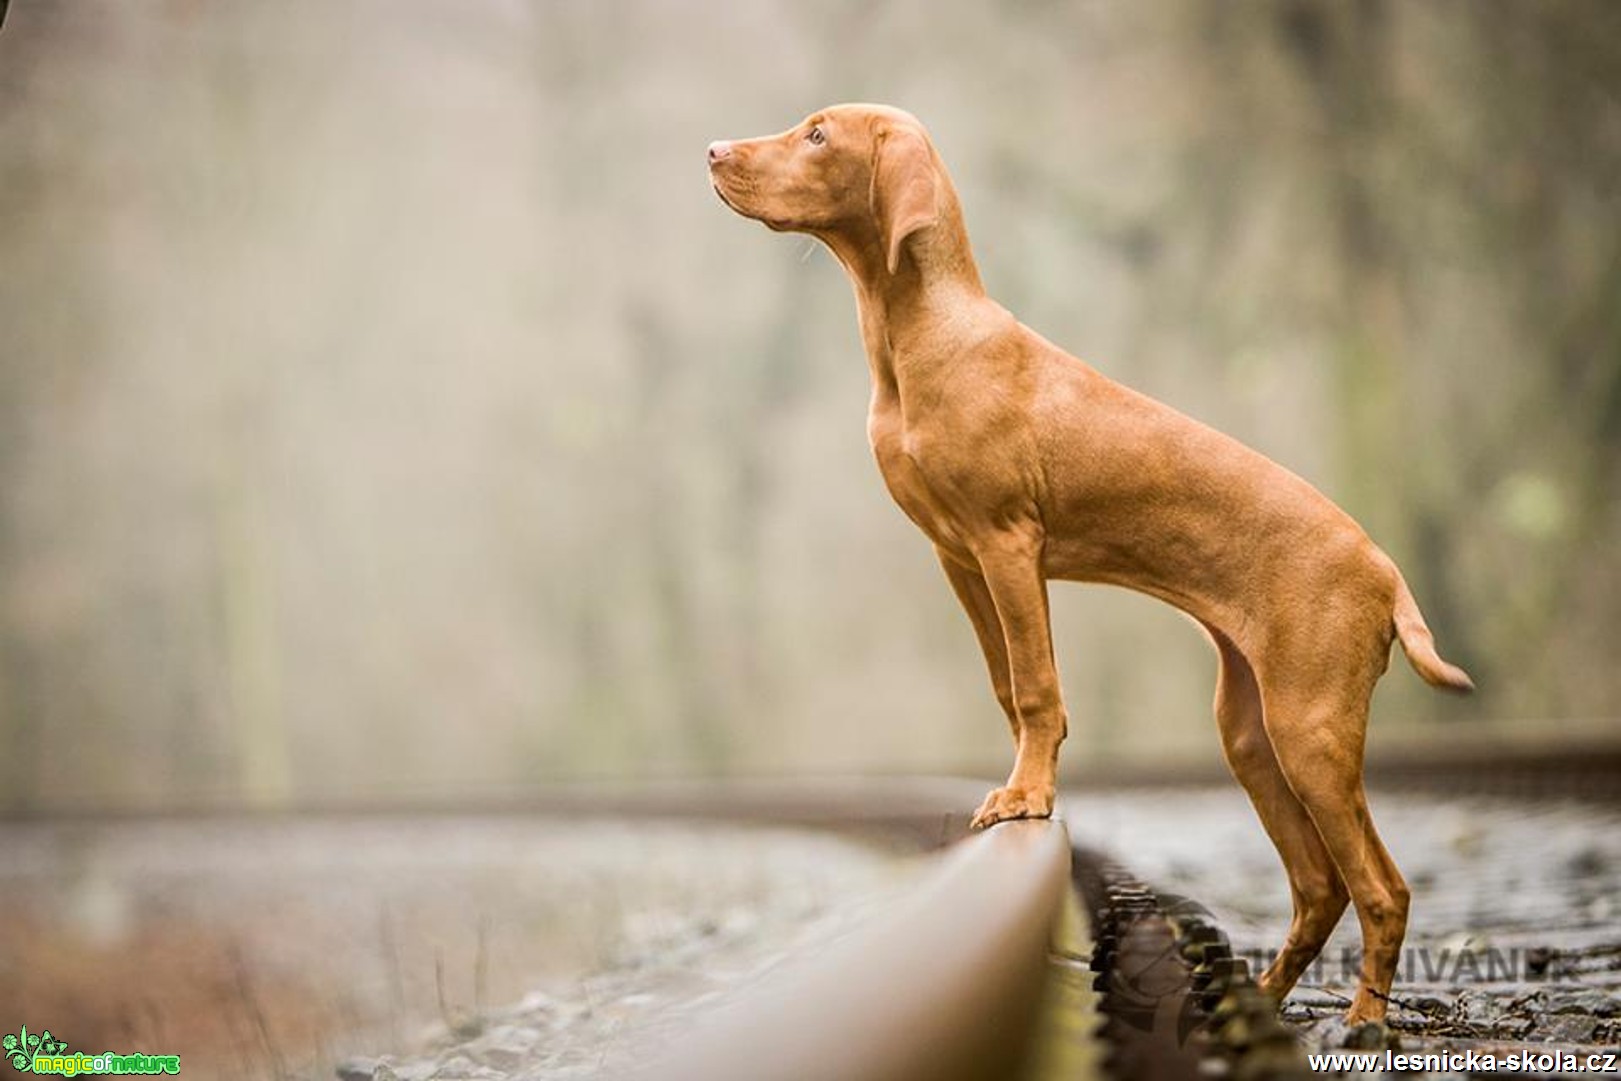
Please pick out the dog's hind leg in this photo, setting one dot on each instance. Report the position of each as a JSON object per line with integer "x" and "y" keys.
{"x": 1315, "y": 887}
{"x": 1317, "y": 734}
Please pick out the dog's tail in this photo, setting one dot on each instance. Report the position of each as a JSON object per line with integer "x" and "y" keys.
{"x": 1419, "y": 644}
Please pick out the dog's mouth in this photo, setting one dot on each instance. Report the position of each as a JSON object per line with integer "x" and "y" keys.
{"x": 736, "y": 203}
{"x": 714, "y": 182}
{"x": 736, "y": 207}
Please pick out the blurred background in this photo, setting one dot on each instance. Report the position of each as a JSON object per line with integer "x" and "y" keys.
{"x": 392, "y": 417}
{"x": 390, "y": 413}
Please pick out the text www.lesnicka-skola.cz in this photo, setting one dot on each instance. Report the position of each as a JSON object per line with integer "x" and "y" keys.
{"x": 1467, "y": 1061}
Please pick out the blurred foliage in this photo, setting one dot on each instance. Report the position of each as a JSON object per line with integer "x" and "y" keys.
{"x": 389, "y": 410}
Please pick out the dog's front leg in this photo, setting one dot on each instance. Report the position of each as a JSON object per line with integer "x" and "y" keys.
{"x": 975, "y": 595}
{"x": 1010, "y": 563}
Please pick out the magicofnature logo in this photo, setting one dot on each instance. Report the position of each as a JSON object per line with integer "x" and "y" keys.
{"x": 22, "y": 1047}
{"x": 42, "y": 1053}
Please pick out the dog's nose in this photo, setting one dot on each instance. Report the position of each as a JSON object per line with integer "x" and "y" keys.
{"x": 719, "y": 151}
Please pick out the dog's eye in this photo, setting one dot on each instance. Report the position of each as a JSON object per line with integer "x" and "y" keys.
{"x": 815, "y": 136}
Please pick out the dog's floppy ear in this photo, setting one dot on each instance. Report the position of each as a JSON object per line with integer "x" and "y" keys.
{"x": 903, "y": 190}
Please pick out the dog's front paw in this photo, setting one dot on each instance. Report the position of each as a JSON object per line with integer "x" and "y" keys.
{"x": 1008, "y": 803}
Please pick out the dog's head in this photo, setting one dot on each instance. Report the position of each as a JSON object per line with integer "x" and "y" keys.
{"x": 863, "y": 174}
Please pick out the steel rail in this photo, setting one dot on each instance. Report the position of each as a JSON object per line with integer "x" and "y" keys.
{"x": 978, "y": 972}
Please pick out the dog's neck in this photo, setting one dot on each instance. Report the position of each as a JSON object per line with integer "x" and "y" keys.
{"x": 936, "y": 274}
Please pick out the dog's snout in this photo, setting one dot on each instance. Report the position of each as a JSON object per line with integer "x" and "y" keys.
{"x": 719, "y": 151}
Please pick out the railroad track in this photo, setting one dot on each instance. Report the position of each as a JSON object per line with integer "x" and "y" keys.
{"x": 1022, "y": 952}
{"x": 1017, "y": 957}
{"x": 1018, "y": 954}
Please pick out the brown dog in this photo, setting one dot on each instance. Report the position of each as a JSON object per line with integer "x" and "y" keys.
{"x": 1022, "y": 464}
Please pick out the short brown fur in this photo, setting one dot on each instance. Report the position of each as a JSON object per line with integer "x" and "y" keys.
{"x": 1021, "y": 464}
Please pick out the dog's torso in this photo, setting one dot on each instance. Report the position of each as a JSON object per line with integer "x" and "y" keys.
{"x": 1127, "y": 491}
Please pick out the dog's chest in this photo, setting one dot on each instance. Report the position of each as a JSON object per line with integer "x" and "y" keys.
{"x": 905, "y": 475}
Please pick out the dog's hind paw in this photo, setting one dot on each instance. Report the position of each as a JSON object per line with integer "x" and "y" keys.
{"x": 1005, "y": 804}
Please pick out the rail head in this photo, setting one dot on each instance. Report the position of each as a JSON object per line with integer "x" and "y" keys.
{"x": 947, "y": 982}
